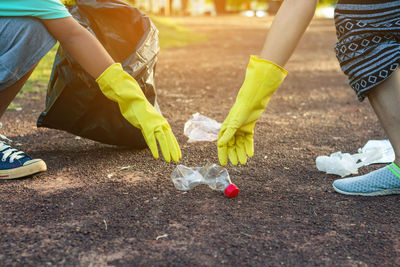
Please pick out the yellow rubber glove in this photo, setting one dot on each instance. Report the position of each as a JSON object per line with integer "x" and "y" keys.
{"x": 235, "y": 138}
{"x": 120, "y": 87}
{"x": 68, "y": 2}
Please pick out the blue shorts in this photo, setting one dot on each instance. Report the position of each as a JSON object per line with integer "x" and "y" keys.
{"x": 24, "y": 41}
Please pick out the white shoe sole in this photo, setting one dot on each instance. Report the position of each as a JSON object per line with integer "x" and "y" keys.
{"x": 385, "y": 192}
{"x": 29, "y": 168}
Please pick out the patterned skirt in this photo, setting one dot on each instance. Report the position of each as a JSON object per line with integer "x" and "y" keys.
{"x": 368, "y": 47}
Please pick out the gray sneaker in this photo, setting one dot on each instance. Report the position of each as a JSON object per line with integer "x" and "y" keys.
{"x": 384, "y": 181}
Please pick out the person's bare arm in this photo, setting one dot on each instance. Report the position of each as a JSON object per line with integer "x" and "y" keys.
{"x": 80, "y": 44}
{"x": 288, "y": 26}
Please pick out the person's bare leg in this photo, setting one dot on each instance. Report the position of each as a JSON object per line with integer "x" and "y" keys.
{"x": 385, "y": 100}
{"x": 16, "y": 163}
{"x": 7, "y": 95}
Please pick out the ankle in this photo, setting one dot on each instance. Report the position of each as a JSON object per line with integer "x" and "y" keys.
{"x": 397, "y": 161}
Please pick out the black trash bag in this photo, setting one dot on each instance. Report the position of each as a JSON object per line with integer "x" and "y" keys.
{"x": 75, "y": 102}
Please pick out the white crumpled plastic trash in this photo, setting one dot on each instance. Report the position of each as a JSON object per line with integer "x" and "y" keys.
{"x": 343, "y": 164}
{"x": 200, "y": 128}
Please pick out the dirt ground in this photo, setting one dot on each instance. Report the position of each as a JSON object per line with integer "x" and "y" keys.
{"x": 286, "y": 213}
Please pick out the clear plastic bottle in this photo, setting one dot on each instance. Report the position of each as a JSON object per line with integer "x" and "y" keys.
{"x": 213, "y": 175}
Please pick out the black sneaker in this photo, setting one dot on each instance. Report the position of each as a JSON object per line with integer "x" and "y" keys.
{"x": 16, "y": 164}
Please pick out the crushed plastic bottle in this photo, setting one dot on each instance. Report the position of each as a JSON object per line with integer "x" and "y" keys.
{"x": 213, "y": 175}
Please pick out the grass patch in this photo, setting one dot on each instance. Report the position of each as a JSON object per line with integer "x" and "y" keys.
{"x": 14, "y": 106}
{"x": 173, "y": 34}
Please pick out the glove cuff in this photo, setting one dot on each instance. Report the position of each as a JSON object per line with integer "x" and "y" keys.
{"x": 117, "y": 85}
{"x": 111, "y": 71}
{"x": 263, "y": 77}
{"x": 109, "y": 80}
{"x": 259, "y": 60}
{"x": 68, "y": 2}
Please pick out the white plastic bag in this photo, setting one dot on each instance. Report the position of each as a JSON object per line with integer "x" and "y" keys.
{"x": 200, "y": 128}
{"x": 377, "y": 151}
{"x": 343, "y": 164}
{"x": 338, "y": 163}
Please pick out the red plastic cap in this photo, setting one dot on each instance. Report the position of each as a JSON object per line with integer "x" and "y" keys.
{"x": 231, "y": 191}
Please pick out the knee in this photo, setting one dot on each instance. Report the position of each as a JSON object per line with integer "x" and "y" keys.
{"x": 24, "y": 41}
{"x": 31, "y": 35}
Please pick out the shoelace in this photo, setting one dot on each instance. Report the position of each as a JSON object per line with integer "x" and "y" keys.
{"x": 9, "y": 152}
